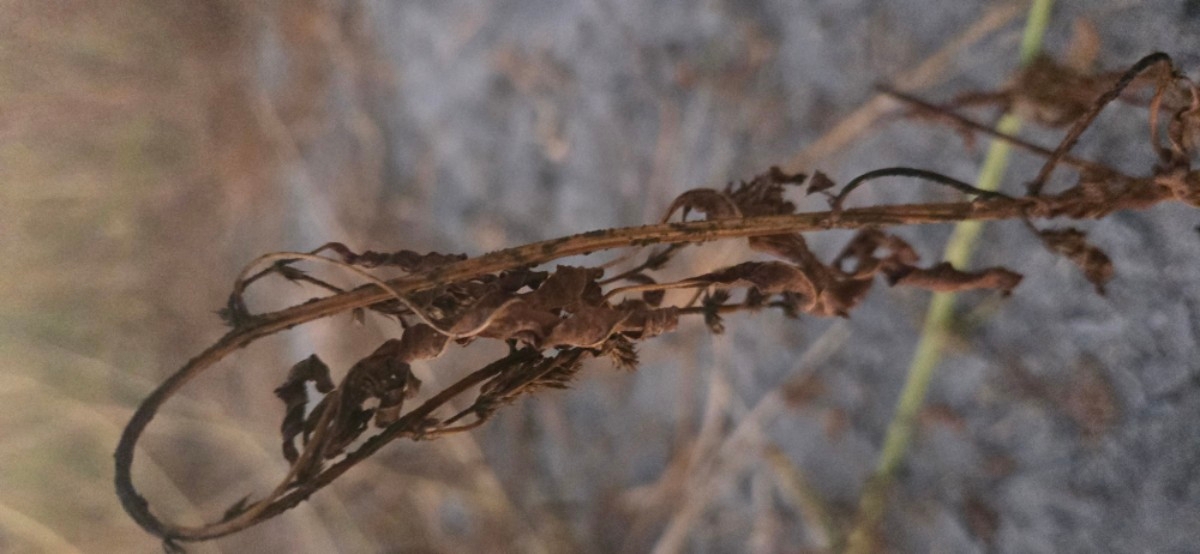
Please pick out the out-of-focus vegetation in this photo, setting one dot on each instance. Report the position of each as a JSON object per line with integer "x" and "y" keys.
{"x": 119, "y": 157}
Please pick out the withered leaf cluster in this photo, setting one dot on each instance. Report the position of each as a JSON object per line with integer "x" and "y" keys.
{"x": 533, "y": 311}
{"x": 554, "y": 320}
{"x": 802, "y": 282}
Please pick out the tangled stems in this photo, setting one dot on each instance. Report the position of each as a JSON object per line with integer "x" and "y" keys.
{"x": 1137, "y": 194}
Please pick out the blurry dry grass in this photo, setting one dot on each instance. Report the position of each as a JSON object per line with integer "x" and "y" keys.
{"x": 120, "y": 152}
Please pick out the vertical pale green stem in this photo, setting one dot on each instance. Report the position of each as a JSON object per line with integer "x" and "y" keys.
{"x": 938, "y": 319}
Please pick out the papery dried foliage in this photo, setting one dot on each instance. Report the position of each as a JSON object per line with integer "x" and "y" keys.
{"x": 1071, "y": 243}
{"x": 294, "y": 394}
{"x": 553, "y": 321}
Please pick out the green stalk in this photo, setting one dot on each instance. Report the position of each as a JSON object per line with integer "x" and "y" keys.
{"x": 938, "y": 319}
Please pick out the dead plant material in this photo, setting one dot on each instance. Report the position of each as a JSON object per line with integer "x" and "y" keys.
{"x": 555, "y": 319}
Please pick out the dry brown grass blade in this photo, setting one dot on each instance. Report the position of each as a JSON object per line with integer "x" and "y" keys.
{"x": 929, "y": 72}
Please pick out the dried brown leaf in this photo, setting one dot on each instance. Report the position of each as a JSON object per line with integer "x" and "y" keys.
{"x": 861, "y": 249}
{"x": 791, "y": 247}
{"x": 568, "y": 288}
{"x": 763, "y": 195}
{"x": 421, "y": 342}
{"x": 779, "y": 176}
{"x": 819, "y": 182}
{"x": 235, "y": 314}
{"x": 406, "y": 260}
{"x": 644, "y": 322}
{"x": 712, "y": 203}
{"x": 825, "y": 295}
{"x": 520, "y": 320}
{"x": 350, "y": 424}
{"x": 841, "y": 296}
{"x": 589, "y": 327}
{"x": 944, "y": 278}
{"x": 1072, "y": 243}
{"x": 480, "y": 314}
{"x": 621, "y": 351}
{"x": 712, "y": 310}
{"x": 767, "y": 277}
{"x": 294, "y": 394}
{"x": 386, "y": 375}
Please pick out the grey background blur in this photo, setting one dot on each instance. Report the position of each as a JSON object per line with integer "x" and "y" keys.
{"x": 150, "y": 149}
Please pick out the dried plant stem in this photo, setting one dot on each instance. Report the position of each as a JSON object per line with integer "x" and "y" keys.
{"x": 1133, "y": 194}
{"x": 555, "y": 319}
{"x": 938, "y": 319}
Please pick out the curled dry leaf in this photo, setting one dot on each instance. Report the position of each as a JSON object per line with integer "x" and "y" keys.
{"x": 622, "y": 352}
{"x": 819, "y": 182}
{"x": 1072, "y": 243}
{"x": 712, "y": 310}
{"x": 235, "y": 314}
{"x": 861, "y": 250}
{"x": 294, "y": 394}
{"x": 645, "y": 322}
{"x": 767, "y": 277}
{"x": 763, "y": 195}
{"x": 566, "y": 309}
{"x": 568, "y": 288}
{"x": 386, "y": 375}
{"x": 944, "y": 278}
{"x": 589, "y": 327}
{"x": 712, "y": 203}
{"x": 421, "y": 342}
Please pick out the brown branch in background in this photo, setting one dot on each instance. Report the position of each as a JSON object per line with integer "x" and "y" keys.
{"x": 1034, "y": 187}
{"x": 555, "y": 319}
{"x": 943, "y": 115}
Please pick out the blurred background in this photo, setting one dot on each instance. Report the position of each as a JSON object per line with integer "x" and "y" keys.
{"x": 148, "y": 150}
